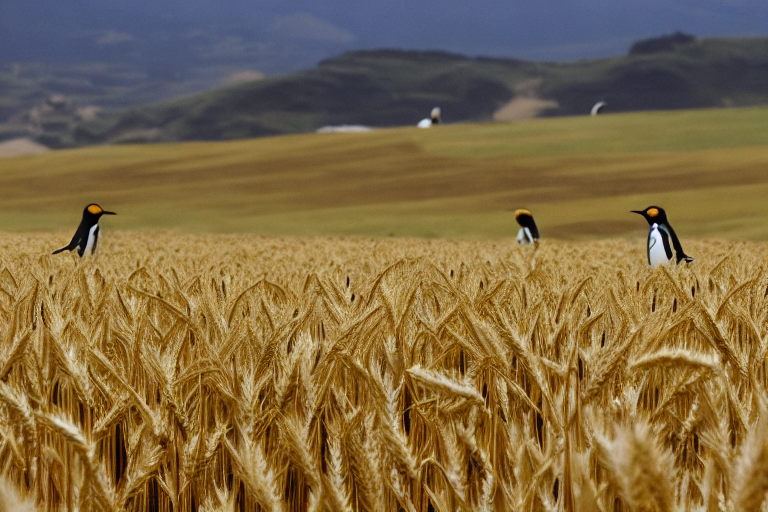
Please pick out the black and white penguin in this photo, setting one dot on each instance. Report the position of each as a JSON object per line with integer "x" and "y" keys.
{"x": 434, "y": 118}
{"x": 529, "y": 233}
{"x": 87, "y": 235}
{"x": 663, "y": 244}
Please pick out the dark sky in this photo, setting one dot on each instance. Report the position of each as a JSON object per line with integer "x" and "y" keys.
{"x": 276, "y": 36}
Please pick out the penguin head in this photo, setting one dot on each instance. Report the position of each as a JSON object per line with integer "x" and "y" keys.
{"x": 95, "y": 211}
{"x": 525, "y": 219}
{"x": 435, "y": 115}
{"x": 653, "y": 214}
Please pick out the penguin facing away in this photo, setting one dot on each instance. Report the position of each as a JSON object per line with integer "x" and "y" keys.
{"x": 435, "y": 115}
{"x": 87, "y": 235}
{"x": 529, "y": 233}
{"x": 663, "y": 244}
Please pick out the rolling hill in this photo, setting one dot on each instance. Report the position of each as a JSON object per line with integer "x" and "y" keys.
{"x": 392, "y": 87}
{"x": 580, "y": 176}
{"x": 75, "y": 104}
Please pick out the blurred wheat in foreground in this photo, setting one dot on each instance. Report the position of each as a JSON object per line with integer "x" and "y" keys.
{"x": 228, "y": 373}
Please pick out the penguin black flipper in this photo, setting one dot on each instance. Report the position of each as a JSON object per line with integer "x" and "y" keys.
{"x": 62, "y": 249}
{"x": 74, "y": 243}
{"x": 681, "y": 256}
{"x": 78, "y": 240}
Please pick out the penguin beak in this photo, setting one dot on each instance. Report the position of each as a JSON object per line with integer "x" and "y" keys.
{"x": 108, "y": 213}
{"x": 638, "y": 212}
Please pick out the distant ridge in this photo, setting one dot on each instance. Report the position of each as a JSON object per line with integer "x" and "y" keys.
{"x": 389, "y": 87}
{"x": 661, "y": 44}
{"x": 413, "y": 55}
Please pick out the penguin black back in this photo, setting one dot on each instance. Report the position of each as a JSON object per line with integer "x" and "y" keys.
{"x": 86, "y": 236}
{"x": 528, "y": 233}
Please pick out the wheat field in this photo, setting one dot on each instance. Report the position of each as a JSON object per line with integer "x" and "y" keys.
{"x": 238, "y": 373}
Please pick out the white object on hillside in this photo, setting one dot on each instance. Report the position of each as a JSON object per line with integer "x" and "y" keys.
{"x": 21, "y": 147}
{"x": 344, "y": 128}
{"x": 434, "y": 118}
{"x": 598, "y": 107}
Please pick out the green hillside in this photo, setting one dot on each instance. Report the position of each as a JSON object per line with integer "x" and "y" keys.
{"x": 378, "y": 88}
{"x": 704, "y": 73}
{"x": 579, "y": 175}
{"x": 397, "y": 88}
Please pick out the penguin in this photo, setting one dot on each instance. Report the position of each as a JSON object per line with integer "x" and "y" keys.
{"x": 87, "y": 235}
{"x": 529, "y": 233}
{"x": 663, "y": 244}
{"x": 434, "y": 118}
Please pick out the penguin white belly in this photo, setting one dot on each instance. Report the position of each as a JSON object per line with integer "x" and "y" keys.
{"x": 656, "y": 253}
{"x": 93, "y": 236}
{"x": 425, "y": 123}
{"x": 524, "y": 236}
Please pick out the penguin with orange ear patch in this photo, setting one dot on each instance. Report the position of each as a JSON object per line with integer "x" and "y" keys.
{"x": 663, "y": 244}
{"x": 87, "y": 234}
{"x": 529, "y": 233}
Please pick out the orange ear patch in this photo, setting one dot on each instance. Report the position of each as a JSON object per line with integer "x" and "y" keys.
{"x": 653, "y": 212}
{"x": 95, "y": 209}
{"x": 522, "y": 212}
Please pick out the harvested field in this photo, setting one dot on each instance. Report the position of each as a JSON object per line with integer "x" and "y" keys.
{"x": 234, "y": 372}
{"x": 580, "y": 176}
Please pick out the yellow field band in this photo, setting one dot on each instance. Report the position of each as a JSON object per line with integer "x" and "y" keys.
{"x": 94, "y": 209}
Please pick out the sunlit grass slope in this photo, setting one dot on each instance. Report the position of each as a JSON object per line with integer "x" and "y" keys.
{"x": 580, "y": 176}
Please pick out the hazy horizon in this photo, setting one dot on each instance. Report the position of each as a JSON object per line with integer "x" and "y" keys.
{"x": 171, "y": 36}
